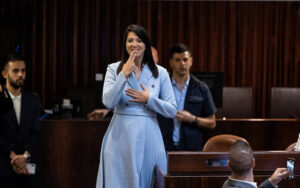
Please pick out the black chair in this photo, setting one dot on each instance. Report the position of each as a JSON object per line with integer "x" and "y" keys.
{"x": 237, "y": 103}
{"x": 285, "y": 102}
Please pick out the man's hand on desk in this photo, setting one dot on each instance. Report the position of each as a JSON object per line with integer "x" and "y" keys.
{"x": 97, "y": 114}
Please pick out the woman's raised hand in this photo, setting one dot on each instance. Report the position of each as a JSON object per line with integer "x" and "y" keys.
{"x": 129, "y": 66}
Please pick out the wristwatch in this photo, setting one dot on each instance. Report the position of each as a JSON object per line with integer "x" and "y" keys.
{"x": 195, "y": 121}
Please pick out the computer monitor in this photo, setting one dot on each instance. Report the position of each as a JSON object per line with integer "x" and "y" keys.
{"x": 68, "y": 107}
{"x": 87, "y": 94}
{"x": 214, "y": 81}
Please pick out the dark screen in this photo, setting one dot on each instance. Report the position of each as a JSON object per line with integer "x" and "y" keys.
{"x": 214, "y": 81}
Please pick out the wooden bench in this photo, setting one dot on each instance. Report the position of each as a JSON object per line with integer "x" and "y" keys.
{"x": 209, "y": 169}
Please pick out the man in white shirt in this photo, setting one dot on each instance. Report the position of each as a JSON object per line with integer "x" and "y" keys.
{"x": 242, "y": 162}
{"x": 19, "y": 131}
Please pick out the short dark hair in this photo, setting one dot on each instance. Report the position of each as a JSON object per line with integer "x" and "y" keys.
{"x": 11, "y": 57}
{"x": 147, "y": 59}
{"x": 240, "y": 157}
{"x": 179, "y": 48}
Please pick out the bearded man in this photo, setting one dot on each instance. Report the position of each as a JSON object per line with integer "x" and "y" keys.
{"x": 19, "y": 128}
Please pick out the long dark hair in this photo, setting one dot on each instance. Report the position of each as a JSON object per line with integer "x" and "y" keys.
{"x": 147, "y": 59}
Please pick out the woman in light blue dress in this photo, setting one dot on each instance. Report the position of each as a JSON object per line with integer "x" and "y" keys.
{"x": 136, "y": 89}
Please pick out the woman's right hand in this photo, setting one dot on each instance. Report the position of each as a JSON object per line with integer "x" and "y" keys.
{"x": 129, "y": 66}
{"x": 0, "y": 88}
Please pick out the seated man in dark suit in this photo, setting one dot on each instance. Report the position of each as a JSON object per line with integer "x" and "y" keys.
{"x": 19, "y": 130}
{"x": 242, "y": 162}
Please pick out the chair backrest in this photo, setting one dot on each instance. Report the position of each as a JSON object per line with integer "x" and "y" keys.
{"x": 221, "y": 143}
{"x": 237, "y": 103}
{"x": 285, "y": 101}
{"x": 291, "y": 147}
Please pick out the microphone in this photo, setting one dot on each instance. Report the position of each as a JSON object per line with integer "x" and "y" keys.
{"x": 47, "y": 113}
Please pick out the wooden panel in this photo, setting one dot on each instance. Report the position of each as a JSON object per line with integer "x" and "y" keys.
{"x": 256, "y": 44}
{"x": 69, "y": 149}
{"x": 70, "y": 152}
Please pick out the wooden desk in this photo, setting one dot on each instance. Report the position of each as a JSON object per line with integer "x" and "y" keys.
{"x": 70, "y": 153}
{"x": 190, "y": 169}
{"x": 69, "y": 149}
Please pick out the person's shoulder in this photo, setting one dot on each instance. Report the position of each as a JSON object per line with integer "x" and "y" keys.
{"x": 30, "y": 94}
{"x": 195, "y": 81}
{"x": 225, "y": 184}
{"x": 162, "y": 70}
{"x": 114, "y": 65}
{"x": 231, "y": 183}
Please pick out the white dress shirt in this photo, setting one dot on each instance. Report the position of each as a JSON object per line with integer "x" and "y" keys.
{"x": 17, "y": 105}
{"x": 180, "y": 98}
{"x": 249, "y": 182}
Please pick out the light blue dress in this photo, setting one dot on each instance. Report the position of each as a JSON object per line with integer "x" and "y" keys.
{"x": 133, "y": 143}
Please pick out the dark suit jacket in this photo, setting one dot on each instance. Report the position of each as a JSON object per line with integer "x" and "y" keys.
{"x": 199, "y": 102}
{"x": 230, "y": 183}
{"x": 19, "y": 138}
{"x": 5, "y": 102}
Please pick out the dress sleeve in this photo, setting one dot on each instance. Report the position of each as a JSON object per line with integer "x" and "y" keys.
{"x": 165, "y": 104}
{"x": 113, "y": 87}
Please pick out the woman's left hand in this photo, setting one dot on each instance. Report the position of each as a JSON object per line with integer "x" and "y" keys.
{"x": 138, "y": 96}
